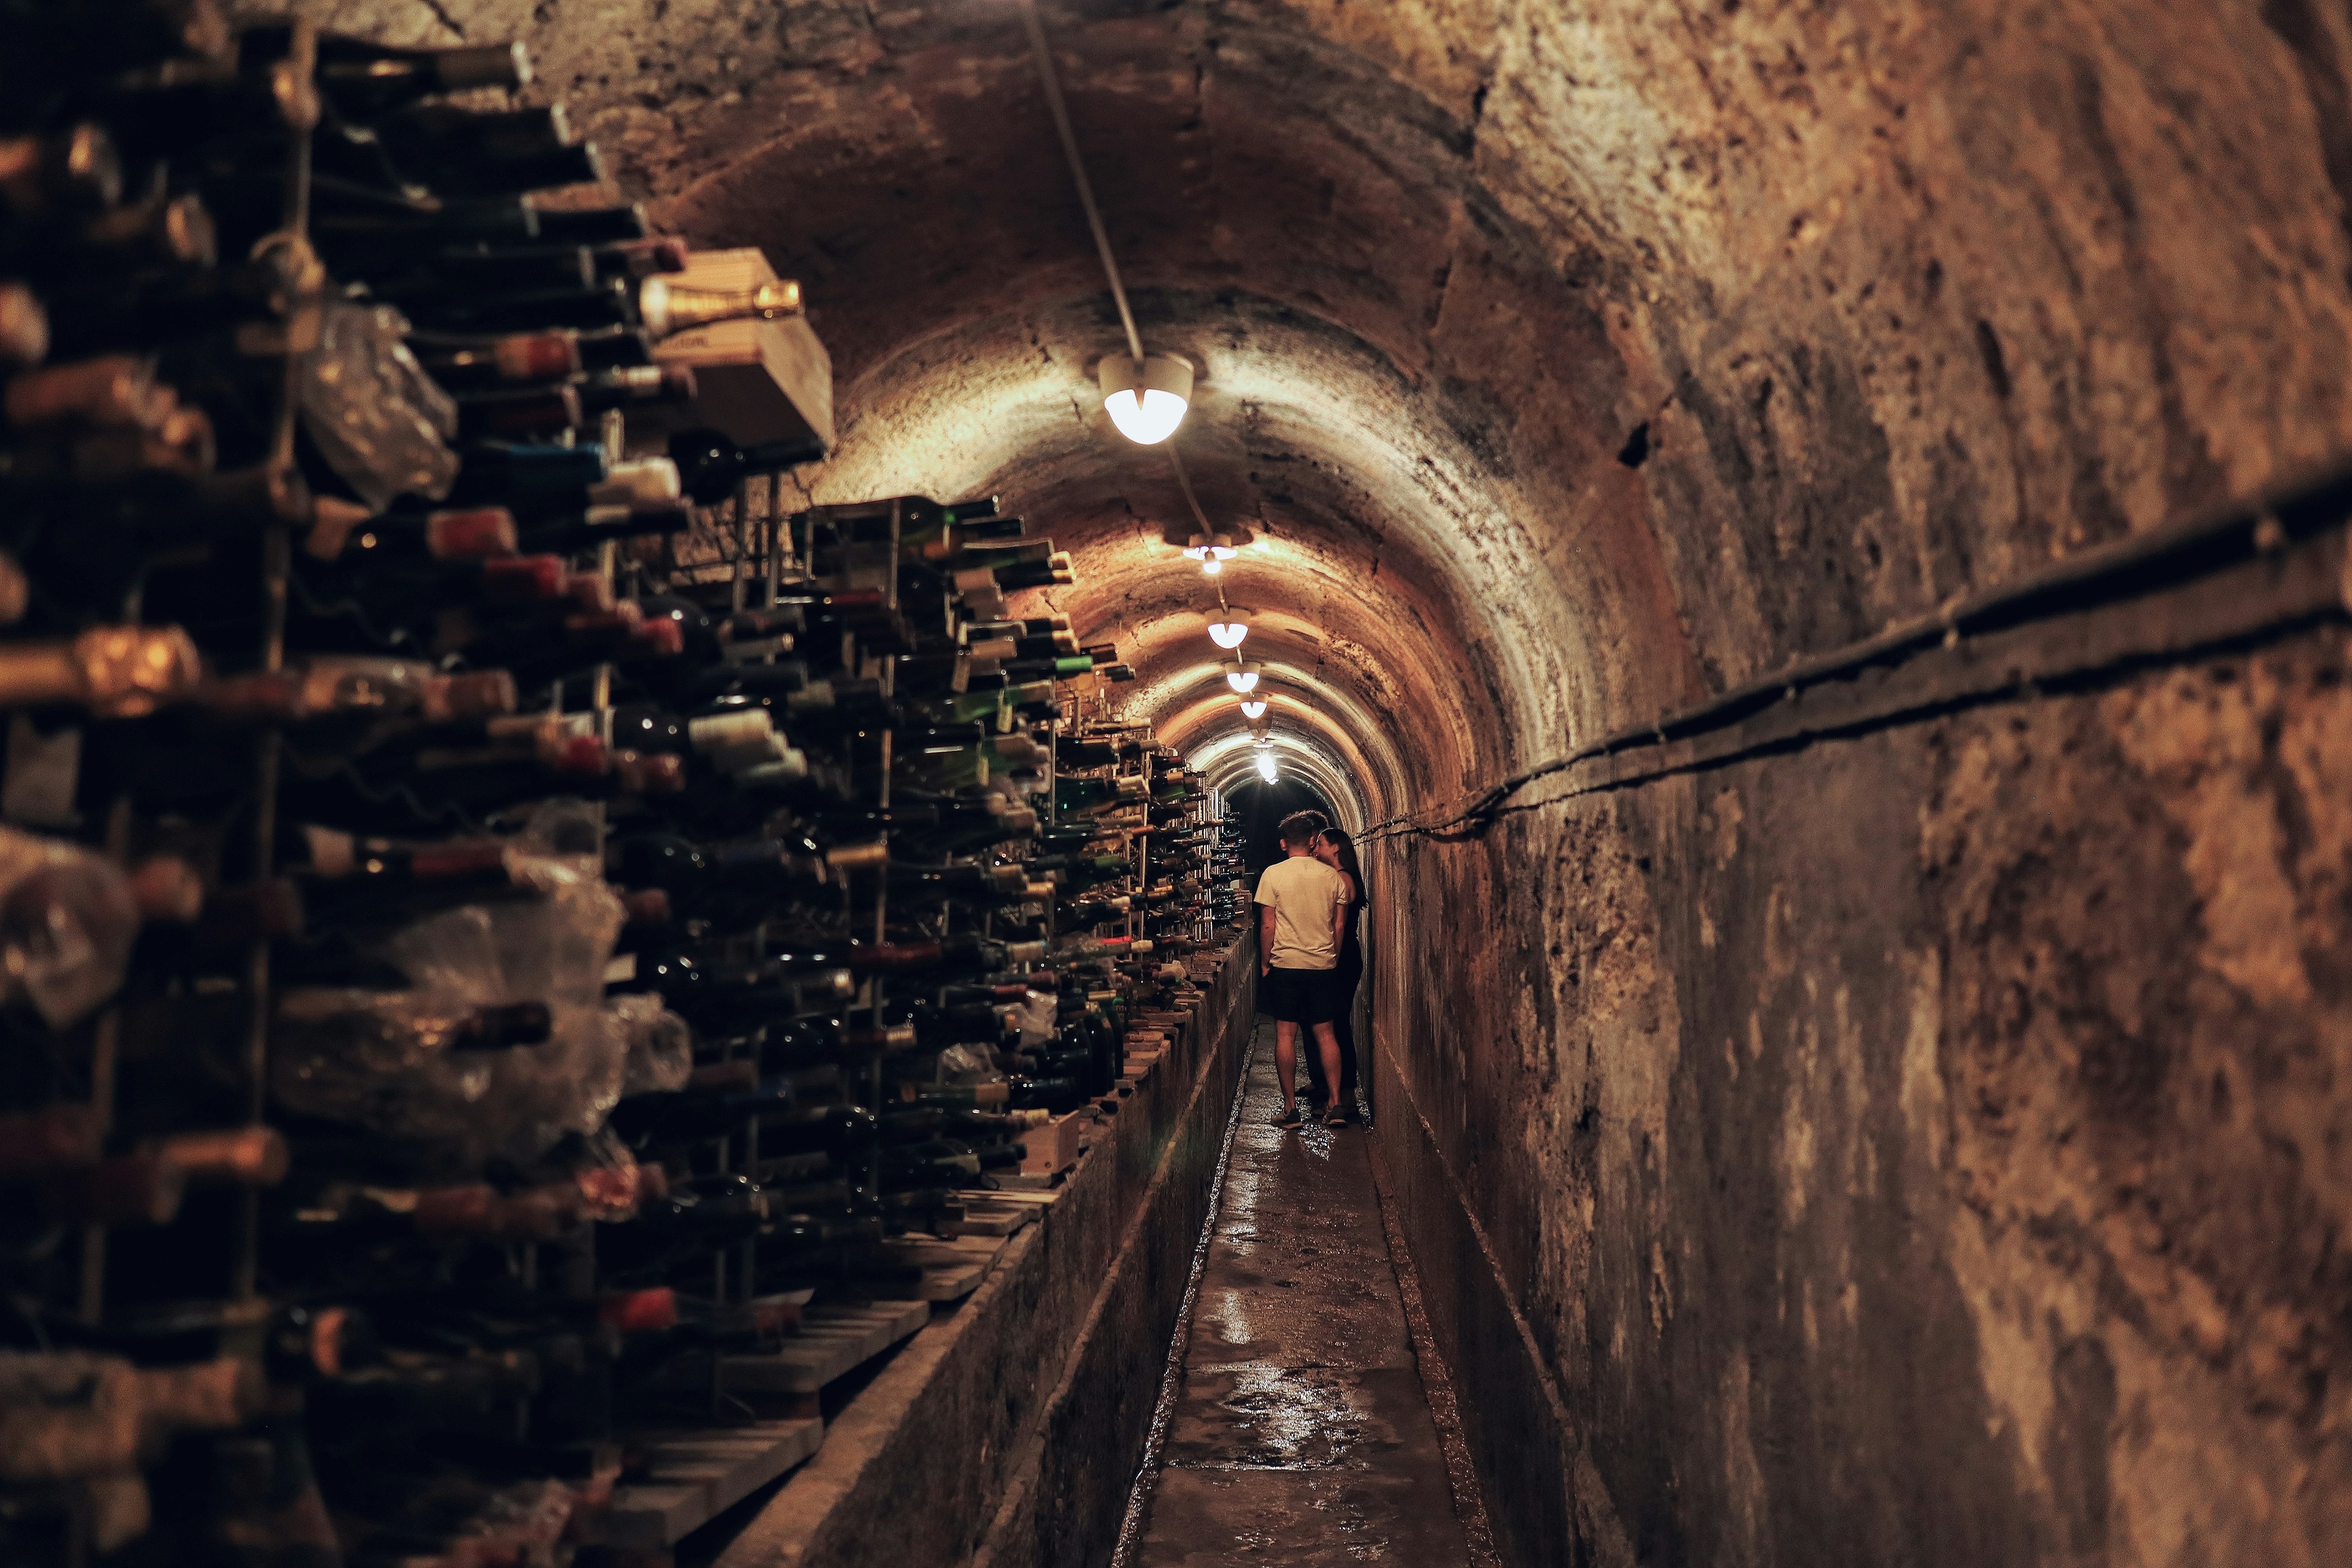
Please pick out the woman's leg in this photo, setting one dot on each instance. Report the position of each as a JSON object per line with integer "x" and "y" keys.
{"x": 1344, "y": 1026}
{"x": 1319, "y": 1094}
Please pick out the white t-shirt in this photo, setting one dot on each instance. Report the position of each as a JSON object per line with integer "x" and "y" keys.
{"x": 1303, "y": 893}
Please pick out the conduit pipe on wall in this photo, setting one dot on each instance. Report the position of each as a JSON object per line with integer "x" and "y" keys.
{"x": 2171, "y": 557}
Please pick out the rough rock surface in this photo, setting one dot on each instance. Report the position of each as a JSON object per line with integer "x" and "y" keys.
{"x": 1928, "y": 1147}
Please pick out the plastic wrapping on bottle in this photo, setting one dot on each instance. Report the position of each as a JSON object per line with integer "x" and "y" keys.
{"x": 609, "y": 1182}
{"x": 1039, "y": 1016}
{"x": 380, "y": 1060}
{"x": 660, "y": 1045}
{"x": 570, "y": 831}
{"x": 70, "y": 1414}
{"x": 361, "y": 1058}
{"x": 67, "y": 919}
{"x": 521, "y": 1522}
{"x": 377, "y": 419}
{"x": 964, "y": 1064}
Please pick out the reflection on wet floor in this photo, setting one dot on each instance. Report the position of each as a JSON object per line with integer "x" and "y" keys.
{"x": 1301, "y": 1434}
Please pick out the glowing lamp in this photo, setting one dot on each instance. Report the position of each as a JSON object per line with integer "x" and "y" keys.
{"x": 1146, "y": 398}
{"x": 1241, "y": 678}
{"x": 1255, "y": 708}
{"x": 1228, "y": 634}
{"x": 1266, "y": 766}
{"x": 1211, "y": 553}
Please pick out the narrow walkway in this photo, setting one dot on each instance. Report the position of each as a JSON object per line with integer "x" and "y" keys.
{"x": 1301, "y": 1434}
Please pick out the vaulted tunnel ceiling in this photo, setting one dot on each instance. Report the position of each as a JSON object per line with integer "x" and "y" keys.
{"x": 1572, "y": 360}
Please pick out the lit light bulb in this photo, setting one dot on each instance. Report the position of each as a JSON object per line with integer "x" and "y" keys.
{"x": 1211, "y": 553}
{"x": 1255, "y": 708}
{"x": 1146, "y": 398}
{"x": 1241, "y": 678}
{"x": 1266, "y": 766}
{"x": 1228, "y": 634}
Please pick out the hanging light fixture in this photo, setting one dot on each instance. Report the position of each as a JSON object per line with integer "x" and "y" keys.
{"x": 1255, "y": 708}
{"x": 1146, "y": 398}
{"x": 1211, "y": 551}
{"x": 1229, "y": 632}
{"x": 1266, "y": 766}
{"x": 1242, "y": 678}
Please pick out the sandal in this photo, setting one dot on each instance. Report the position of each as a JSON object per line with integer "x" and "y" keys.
{"x": 1289, "y": 1120}
{"x": 1337, "y": 1116}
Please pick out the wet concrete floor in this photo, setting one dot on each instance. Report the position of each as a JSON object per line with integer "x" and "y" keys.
{"x": 1301, "y": 1434}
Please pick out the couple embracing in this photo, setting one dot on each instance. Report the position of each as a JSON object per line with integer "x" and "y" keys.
{"x": 1311, "y": 958}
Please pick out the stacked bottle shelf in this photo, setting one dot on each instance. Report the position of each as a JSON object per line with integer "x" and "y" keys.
{"x": 498, "y": 917}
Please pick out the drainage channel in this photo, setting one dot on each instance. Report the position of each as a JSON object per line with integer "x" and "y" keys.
{"x": 1293, "y": 1423}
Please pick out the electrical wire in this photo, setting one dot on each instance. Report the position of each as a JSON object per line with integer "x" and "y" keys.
{"x": 2178, "y": 554}
{"x": 1052, "y": 81}
{"x": 1185, "y": 480}
{"x": 1061, "y": 113}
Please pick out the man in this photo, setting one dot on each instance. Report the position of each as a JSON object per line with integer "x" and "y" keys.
{"x": 1302, "y": 908}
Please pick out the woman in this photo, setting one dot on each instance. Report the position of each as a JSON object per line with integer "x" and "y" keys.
{"x": 1333, "y": 848}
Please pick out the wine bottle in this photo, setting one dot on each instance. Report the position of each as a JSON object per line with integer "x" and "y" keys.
{"x": 470, "y": 152}
{"x": 710, "y": 465}
{"x": 112, "y": 671}
{"x": 467, "y": 364}
{"x": 520, "y": 475}
{"x": 605, "y": 303}
{"x": 181, "y": 109}
{"x": 362, "y": 80}
{"x": 24, "y": 327}
{"x": 593, "y": 226}
{"x": 75, "y": 173}
{"x": 954, "y": 1095}
{"x": 325, "y": 683}
{"x": 573, "y": 533}
{"x": 54, "y": 1137}
{"x": 667, "y": 307}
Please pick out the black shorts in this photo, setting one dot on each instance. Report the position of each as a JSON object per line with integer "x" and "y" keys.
{"x": 1300, "y": 995}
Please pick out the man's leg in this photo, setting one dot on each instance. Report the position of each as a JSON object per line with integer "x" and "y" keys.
{"x": 1316, "y": 1091}
{"x": 1285, "y": 1062}
{"x": 1327, "y": 1046}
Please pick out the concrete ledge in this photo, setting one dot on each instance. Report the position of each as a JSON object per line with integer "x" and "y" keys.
{"x": 1522, "y": 1441}
{"x": 1010, "y": 1427}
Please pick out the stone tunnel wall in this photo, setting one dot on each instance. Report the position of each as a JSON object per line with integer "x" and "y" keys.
{"x": 1926, "y": 1147}
{"x": 1929, "y": 1148}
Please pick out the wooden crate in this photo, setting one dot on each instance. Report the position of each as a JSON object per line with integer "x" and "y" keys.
{"x": 1054, "y": 1146}
{"x": 757, "y": 380}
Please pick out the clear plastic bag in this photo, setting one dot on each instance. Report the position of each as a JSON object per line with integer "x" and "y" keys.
{"x": 1039, "y": 1015}
{"x": 67, "y": 919}
{"x": 962, "y": 1064}
{"x": 660, "y": 1045}
{"x": 388, "y": 1062}
{"x": 376, "y": 418}
{"x": 526, "y": 1518}
{"x": 378, "y": 1070}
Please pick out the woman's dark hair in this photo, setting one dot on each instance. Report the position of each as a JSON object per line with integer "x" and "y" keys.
{"x": 1339, "y": 840}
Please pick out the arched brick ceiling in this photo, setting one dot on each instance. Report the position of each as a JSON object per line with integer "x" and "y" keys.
{"x": 1578, "y": 359}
